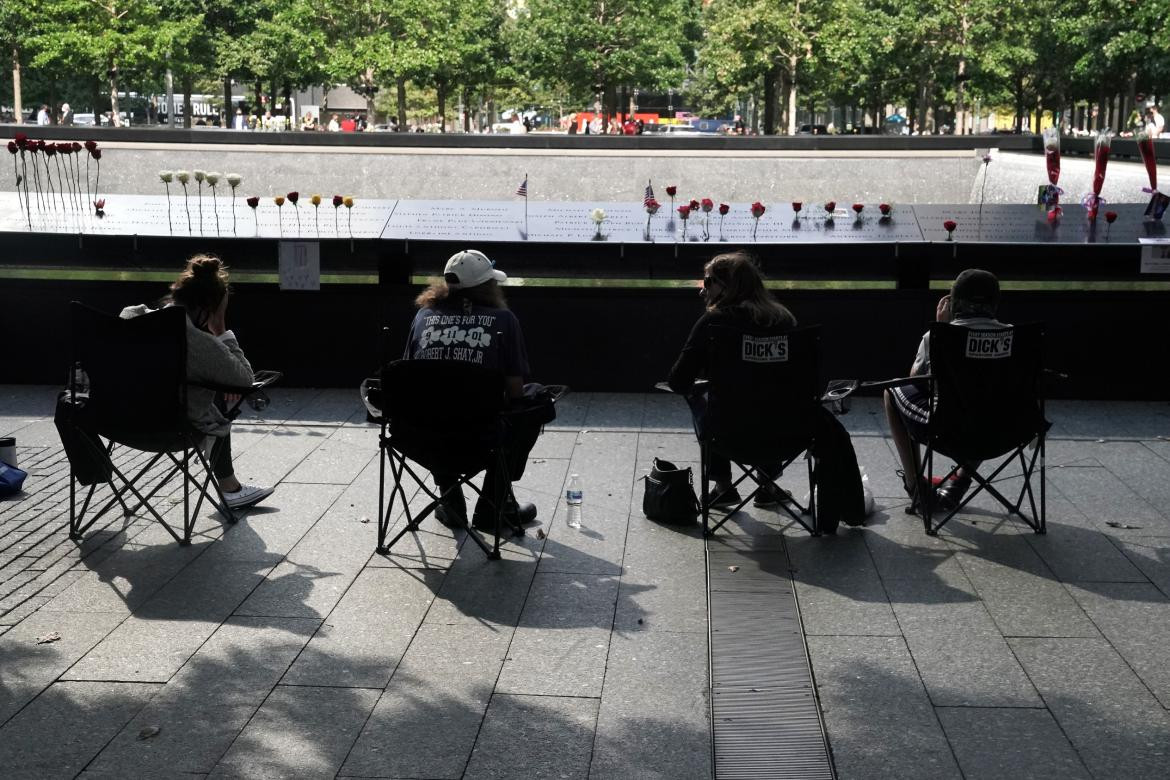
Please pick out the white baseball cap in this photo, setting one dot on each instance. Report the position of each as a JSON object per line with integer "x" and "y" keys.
{"x": 471, "y": 268}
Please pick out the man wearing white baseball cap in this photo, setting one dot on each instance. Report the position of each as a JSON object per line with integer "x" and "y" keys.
{"x": 464, "y": 317}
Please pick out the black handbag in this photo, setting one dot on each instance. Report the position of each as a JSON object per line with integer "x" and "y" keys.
{"x": 670, "y": 494}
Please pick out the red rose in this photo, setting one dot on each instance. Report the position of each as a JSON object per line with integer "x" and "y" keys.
{"x": 21, "y": 140}
{"x": 684, "y": 211}
{"x": 1110, "y": 217}
{"x": 253, "y": 201}
{"x": 694, "y": 204}
{"x": 724, "y": 208}
{"x": 671, "y": 190}
{"x": 758, "y": 209}
{"x": 708, "y": 204}
{"x": 99, "y": 204}
{"x": 76, "y": 147}
{"x": 12, "y": 147}
{"x": 858, "y": 208}
{"x": 90, "y": 146}
{"x": 293, "y": 197}
{"x": 796, "y": 206}
{"x": 652, "y": 206}
{"x": 337, "y": 201}
{"x": 831, "y": 206}
{"x": 950, "y": 225}
{"x": 885, "y": 209}
{"x": 96, "y": 154}
{"x": 50, "y": 150}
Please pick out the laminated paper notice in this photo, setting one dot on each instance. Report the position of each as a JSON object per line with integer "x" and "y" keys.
{"x": 1155, "y": 255}
{"x": 300, "y": 265}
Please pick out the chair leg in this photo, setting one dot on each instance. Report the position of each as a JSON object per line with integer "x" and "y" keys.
{"x": 1043, "y": 529}
{"x": 926, "y": 502}
{"x": 812, "y": 497}
{"x": 705, "y": 490}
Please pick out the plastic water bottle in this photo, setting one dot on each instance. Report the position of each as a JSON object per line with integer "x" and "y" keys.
{"x": 574, "y": 498}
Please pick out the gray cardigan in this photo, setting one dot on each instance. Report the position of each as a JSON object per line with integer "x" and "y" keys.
{"x": 210, "y": 359}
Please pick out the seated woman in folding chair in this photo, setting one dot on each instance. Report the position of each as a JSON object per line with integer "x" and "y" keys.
{"x": 213, "y": 357}
{"x": 471, "y": 287}
{"x": 972, "y": 302}
{"x": 734, "y": 293}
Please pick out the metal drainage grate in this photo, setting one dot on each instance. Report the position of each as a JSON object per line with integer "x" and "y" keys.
{"x": 764, "y": 711}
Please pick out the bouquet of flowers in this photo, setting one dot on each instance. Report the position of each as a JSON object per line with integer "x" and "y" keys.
{"x": 1101, "y": 149}
{"x": 1158, "y": 201}
{"x": 1050, "y": 193}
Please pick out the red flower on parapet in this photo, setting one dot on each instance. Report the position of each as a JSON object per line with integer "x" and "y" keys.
{"x": 651, "y": 205}
{"x": 831, "y": 206}
{"x": 99, "y": 206}
{"x": 884, "y": 209}
{"x": 797, "y": 206}
{"x": 707, "y": 204}
{"x": 253, "y": 201}
{"x": 96, "y": 154}
{"x": 12, "y": 147}
{"x": 858, "y": 208}
{"x": 21, "y": 140}
{"x": 684, "y": 211}
{"x": 76, "y": 147}
{"x": 293, "y": 197}
{"x": 694, "y": 204}
{"x": 950, "y": 226}
{"x": 758, "y": 209}
{"x": 41, "y": 145}
{"x": 671, "y": 190}
{"x": 90, "y": 146}
{"x": 723, "y": 209}
{"x": 50, "y": 150}
{"x": 337, "y": 201}
{"x": 1110, "y": 217}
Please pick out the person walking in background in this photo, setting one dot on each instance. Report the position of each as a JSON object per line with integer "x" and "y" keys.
{"x": 66, "y": 115}
{"x": 43, "y": 116}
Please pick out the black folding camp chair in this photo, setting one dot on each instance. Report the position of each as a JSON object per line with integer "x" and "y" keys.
{"x": 761, "y": 412}
{"x": 987, "y": 403}
{"x": 448, "y": 418}
{"x": 128, "y": 388}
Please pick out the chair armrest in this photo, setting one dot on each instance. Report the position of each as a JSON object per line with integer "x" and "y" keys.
{"x": 885, "y": 384}
{"x": 699, "y": 387}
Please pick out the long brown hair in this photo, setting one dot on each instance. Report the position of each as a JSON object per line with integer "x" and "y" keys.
{"x": 438, "y": 293}
{"x": 743, "y": 287}
{"x": 201, "y": 287}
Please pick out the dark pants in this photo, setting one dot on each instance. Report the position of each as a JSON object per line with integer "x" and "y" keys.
{"x": 221, "y": 449}
{"x": 520, "y": 433}
{"x": 719, "y": 466}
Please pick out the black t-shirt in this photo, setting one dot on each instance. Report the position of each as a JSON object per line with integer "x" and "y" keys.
{"x": 480, "y": 335}
{"x": 692, "y": 361}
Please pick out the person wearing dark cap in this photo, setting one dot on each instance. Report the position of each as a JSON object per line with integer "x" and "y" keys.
{"x": 464, "y": 317}
{"x": 972, "y": 303}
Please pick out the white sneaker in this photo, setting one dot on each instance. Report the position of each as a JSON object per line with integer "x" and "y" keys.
{"x": 247, "y": 495}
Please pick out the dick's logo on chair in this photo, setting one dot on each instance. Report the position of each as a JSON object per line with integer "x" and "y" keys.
{"x": 765, "y": 349}
{"x": 989, "y": 344}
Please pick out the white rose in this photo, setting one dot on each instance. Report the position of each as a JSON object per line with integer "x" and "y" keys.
{"x": 598, "y": 215}
{"x": 167, "y": 176}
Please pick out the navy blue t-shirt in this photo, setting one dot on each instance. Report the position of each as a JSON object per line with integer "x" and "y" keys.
{"x": 480, "y": 335}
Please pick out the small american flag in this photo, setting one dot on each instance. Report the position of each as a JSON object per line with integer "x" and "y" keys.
{"x": 649, "y": 195}
{"x": 522, "y": 190}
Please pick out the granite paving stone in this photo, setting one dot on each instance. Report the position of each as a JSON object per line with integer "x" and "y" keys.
{"x": 1151, "y": 555}
{"x": 275, "y": 526}
{"x": 655, "y": 714}
{"x": 992, "y": 743}
{"x": 615, "y": 411}
{"x": 1076, "y": 554}
{"x": 426, "y": 722}
{"x": 280, "y": 453}
{"x": 838, "y": 586}
{"x": 155, "y": 642}
{"x": 1118, "y": 728}
{"x": 64, "y": 727}
{"x": 29, "y": 666}
{"x": 1101, "y": 495}
{"x": 537, "y": 737}
{"x": 663, "y": 591}
{"x": 878, "y": 716}
{"x": 203, "y": 709}
{"x": 560, "y": 646}
{"x": 339, "y": 458}
{"x": 364, "y": 637}
{"x": 299, "y": 732}
{"x": 1135, "y": 618}
{"x": 960, "y": 654}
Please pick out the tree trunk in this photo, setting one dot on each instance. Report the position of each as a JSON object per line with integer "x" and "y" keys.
{"x": 188, "y": 88}
{"x": 770, "y": 102}
{"x": 1019, "y": 104}
{"x": 228, "y": 113}
{"x": 258, "y": 95}
{"x": 466, "y": 110}
{"x": 441, "y": 91}
{"x": 53, "y": 102}
{"x": 115, "y": 119}
{"x": 17, "y": 104}
{"x": 792, "y": 63}
{"x": 400, "y": 83}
